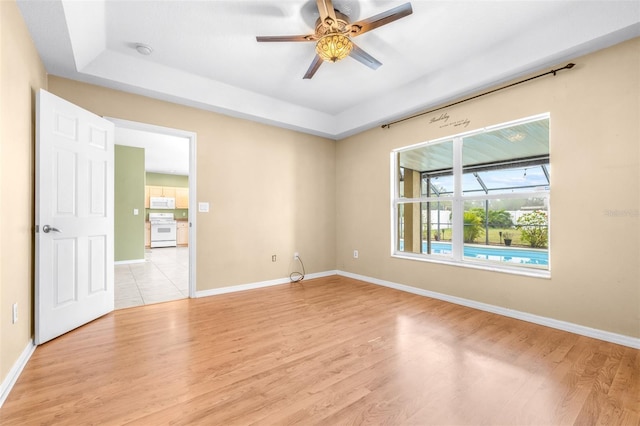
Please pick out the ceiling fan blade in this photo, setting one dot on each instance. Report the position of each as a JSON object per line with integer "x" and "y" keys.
{"x": 285, "y": 38}
{"x": 363, "y": 57}
{"x": 317, "y": 61}
{"x": 326, "y": 10}
{"x": 380, "y": 19}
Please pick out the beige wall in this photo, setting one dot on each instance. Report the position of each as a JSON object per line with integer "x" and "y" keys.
{"x": 21, "y": 75}
{"x": 595, "y": 232}
{"x": 274, "y": 191}
{"x": 271, "y": 191}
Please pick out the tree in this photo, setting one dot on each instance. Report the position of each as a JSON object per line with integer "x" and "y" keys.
{"x": 497, "y": 218}
{"x": 534, "y": 228}
{"x": 500, "y": 219}
{"x": 472, "y": 226}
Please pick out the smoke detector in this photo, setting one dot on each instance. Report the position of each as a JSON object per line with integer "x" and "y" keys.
{"x": 144, "y": 49}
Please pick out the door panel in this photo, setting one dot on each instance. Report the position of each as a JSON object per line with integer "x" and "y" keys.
{"x": 98, "y": 188}
{"x": 74, "y": 198}
{"x": 64, "y": 279}
{"x": 98, "y": 138}
{"x": 64, "y": 184}
{"x": 97, "y": 264}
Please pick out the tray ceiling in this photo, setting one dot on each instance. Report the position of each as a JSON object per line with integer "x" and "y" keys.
{"x": 205, "y": 53}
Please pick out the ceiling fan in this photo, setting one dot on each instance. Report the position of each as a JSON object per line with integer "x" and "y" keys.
{"x": 334, "y": 32}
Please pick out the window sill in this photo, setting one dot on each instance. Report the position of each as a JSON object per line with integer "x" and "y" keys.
{"x": 493, "y": 267}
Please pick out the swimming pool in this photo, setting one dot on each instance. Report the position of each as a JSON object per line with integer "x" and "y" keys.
{"x": 498, "y": 254}
{"x": 501, "y": 254}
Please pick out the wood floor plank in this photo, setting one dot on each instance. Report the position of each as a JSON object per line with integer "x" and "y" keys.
{"x": 327, "y": 351}
{"x": 625, "y": 383}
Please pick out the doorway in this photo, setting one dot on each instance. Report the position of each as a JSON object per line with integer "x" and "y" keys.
{"x": 158, "y": 274}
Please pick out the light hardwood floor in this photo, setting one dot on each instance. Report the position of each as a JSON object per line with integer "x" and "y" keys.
{"x": 328, "y": 351}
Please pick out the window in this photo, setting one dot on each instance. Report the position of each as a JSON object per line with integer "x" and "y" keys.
{"x": 479, "y": 199}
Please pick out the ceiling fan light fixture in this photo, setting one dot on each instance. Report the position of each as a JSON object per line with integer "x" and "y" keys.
{"x": 334, "y": 47}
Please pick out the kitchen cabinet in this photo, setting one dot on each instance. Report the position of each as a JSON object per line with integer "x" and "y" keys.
{"x": 161, "y": 191}
{"x": 147, "y": 234}
{"x": 168, "y": 191}
{"x": 182, "y": 233}
{"x": 155, "y": 191}
{"x": 146, "y": 197}
{"x": 182, "y": 198}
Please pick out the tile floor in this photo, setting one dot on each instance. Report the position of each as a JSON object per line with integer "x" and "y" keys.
{"x": 163, "y": 277}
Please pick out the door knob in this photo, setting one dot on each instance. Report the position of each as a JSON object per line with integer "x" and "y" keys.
{"x": 46, "y": 229}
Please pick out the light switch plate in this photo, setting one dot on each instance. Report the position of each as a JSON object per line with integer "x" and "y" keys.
{"x": 203, "y": 207}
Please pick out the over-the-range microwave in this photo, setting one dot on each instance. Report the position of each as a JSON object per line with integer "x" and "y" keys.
{"x": 162, "y": 203}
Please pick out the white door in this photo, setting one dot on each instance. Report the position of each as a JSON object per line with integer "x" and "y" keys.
{"x": 74, "y": 217}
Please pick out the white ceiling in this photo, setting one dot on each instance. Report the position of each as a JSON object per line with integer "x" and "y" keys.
{"x": 205, "y": 53}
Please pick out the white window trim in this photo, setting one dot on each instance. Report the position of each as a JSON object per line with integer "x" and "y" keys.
{"x": 457, "y": 200}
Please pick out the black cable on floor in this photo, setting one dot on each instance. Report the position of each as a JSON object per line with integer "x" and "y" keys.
{"x": 295, "y": 276}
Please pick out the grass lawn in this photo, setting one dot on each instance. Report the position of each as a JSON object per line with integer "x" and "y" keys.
{"x": 494, "y": 237}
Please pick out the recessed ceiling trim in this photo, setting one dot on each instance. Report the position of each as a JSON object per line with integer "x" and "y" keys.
{"x": 198, "y": 91}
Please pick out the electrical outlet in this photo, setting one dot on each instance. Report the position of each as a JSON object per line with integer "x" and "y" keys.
{"x": 355, "y": 254}
{"x": 295, "y": 256}
{"x": 14, "y": 313}
{"x": 273, "y": 258}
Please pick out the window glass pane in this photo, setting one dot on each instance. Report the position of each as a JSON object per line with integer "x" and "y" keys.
{"x": 512, "y": 231}
{"x": 439, "y": 186}
{"x": 425, "y": 228}
{"x": 436, "y": 228}
{"x": 507, "y": 180}
{"x": 517, "y": 179}
{"x": 527, "y": 140}
{"x": 410, "y": 183}
{"x": 409, "y": 228}
{"x": 431, "y": 161}
{"x": 471, "y": 185}
{"x": 508, "y": 160}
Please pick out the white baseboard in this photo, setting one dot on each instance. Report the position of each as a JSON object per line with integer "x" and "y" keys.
{"x": 14, "y": 373}
{"x": 607, "y": 336}
{"x": 127, "y": 262}
{"x": 252, "y": 286}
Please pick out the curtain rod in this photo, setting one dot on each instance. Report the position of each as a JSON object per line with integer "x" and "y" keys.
{"x": 566, "y": 67}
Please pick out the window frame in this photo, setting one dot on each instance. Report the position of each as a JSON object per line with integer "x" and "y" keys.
{"x": 457, "y": 200}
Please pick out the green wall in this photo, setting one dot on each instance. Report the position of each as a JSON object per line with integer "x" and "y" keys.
{"x": 129, "y": 195}
{"x": 160, "y": 179}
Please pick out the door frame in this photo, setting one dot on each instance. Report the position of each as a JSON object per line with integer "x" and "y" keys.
{"x": 193, "y": 203}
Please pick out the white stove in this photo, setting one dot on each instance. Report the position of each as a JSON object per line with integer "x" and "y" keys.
{"x": 163, "y": 230}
